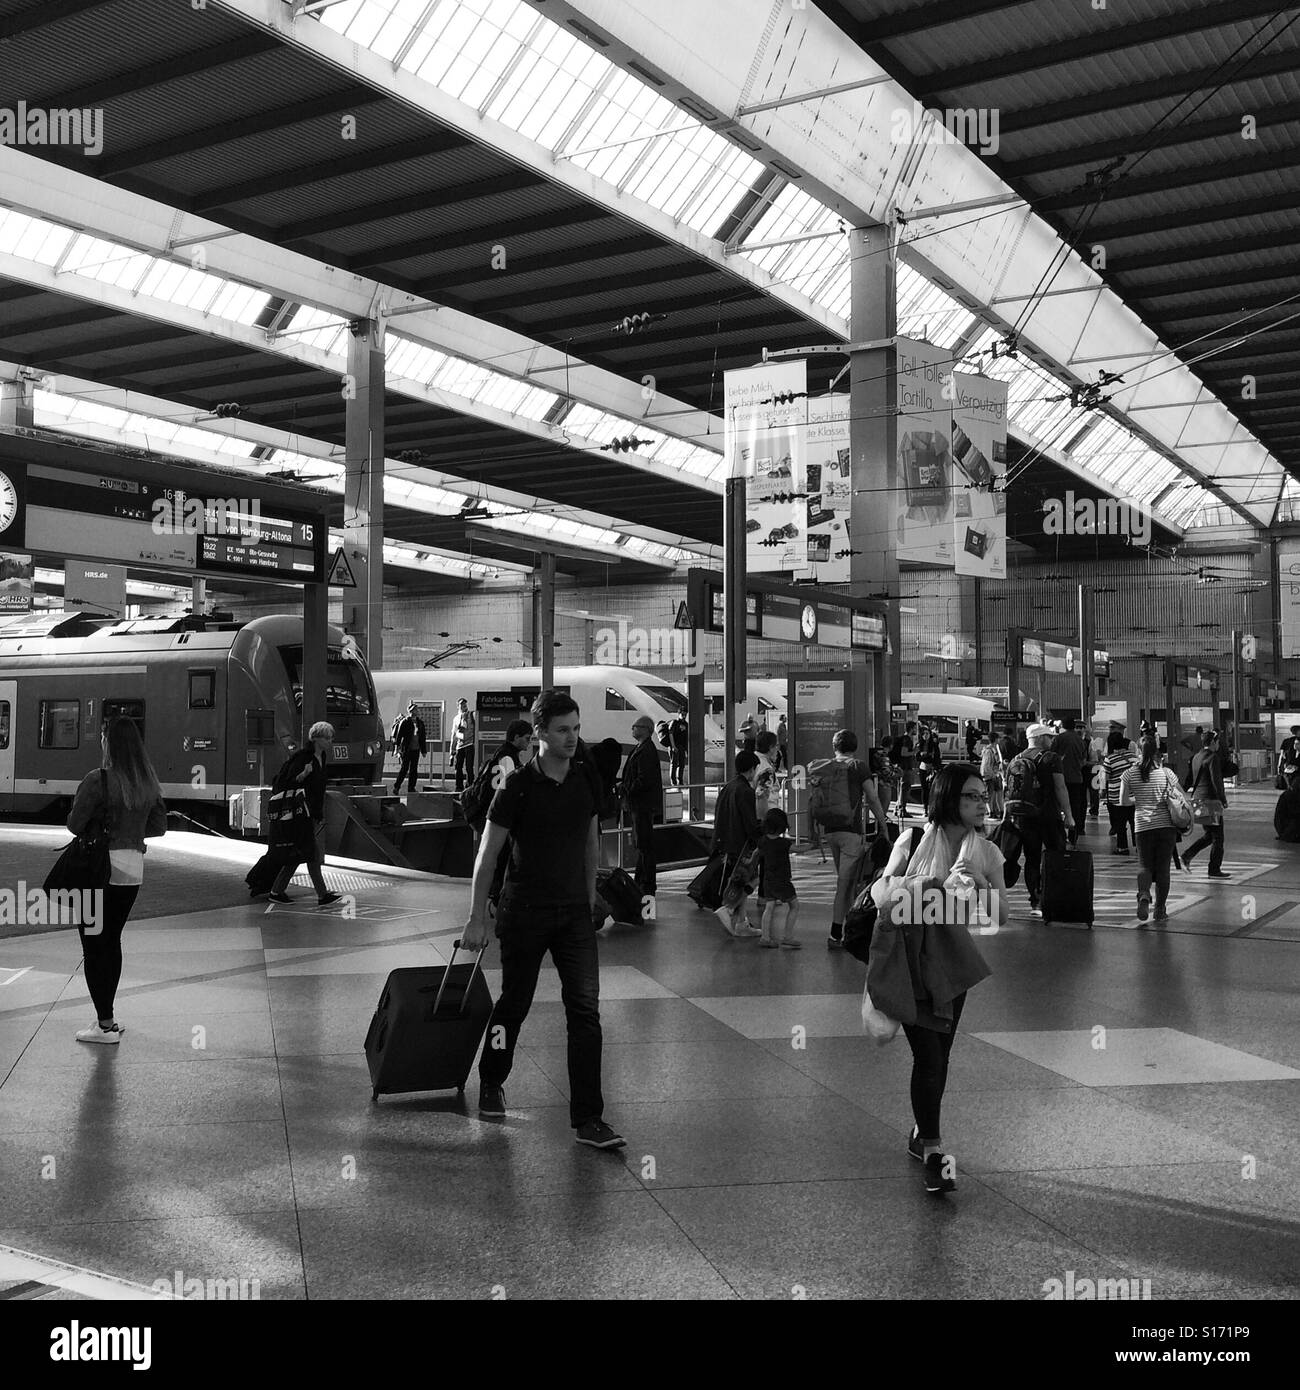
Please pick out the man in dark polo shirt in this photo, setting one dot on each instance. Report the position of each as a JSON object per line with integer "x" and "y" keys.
{"x": 548, "y": 810}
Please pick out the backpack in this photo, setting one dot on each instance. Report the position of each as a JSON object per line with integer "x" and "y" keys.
{"x": 679, "y": 733}
{"x": 830, "y": 800}
{"x": 662, "y": 735}
{"x": 1025, "y": 793}
{"x": 991, "y": 762}
{"x": 477, "y": 797}
{"x": 397, "y": 724}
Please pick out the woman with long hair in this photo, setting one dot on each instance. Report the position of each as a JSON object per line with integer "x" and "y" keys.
{"x": 1146, "y": 787}
{"x": 951, "y": 863}
{"x": 124, "y": 796}
{"x": 1206, "y": 788}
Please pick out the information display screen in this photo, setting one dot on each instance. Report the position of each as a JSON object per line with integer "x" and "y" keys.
{"x": 145, "y": 523}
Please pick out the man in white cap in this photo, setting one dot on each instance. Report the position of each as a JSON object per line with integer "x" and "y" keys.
{"x": 1039, "y": 804}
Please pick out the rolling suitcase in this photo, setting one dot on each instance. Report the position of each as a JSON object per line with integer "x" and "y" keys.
{"x": 1067, "y": 886}
{"x": 427, "y": 1028}
{"x": 619, "y": 894}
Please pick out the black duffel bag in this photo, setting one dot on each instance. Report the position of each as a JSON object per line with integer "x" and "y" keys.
{"x": 708, "y": 885}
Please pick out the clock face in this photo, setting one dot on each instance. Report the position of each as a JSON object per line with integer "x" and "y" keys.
{"x": 809, "y": 620}
{"x": 8, "y": 502}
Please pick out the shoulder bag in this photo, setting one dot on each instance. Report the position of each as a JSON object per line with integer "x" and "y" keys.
{"x": 85, "y": 862}
{"x": 860, "y": 920}
{"x": 1176, "y": 802}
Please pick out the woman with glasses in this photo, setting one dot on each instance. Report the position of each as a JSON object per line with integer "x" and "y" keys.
{"x": 951, "y": 863}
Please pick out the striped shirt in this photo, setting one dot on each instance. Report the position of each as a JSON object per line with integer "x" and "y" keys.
{"x": 1116, "y": 765}
{"x": 1148, "y": 797}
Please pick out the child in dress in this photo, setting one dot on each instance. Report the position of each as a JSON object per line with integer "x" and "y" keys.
{"x": 778, "y": 905}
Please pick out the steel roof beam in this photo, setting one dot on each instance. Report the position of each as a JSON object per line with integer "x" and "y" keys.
{"x": 377, "y": 257}
{"x": 1070, "y": 109}
{"x": 300, "y": 175}
{"x": 1185, "y": 177}
{"x": 42, "y": 13}
{"x": 1109, "y": 38}
{"x": 175, "y": 318}
{"x": 1201, "y": 251}
{"x": 914, "y": 21}
{"x": 281, "y": 118}
{"x": 1117, "y": 231}
{"x": 34, "y": 186}
{"x": 172, "y": 411}
{"x": 1082, "y": 156}
{"x": 510, "y": 181}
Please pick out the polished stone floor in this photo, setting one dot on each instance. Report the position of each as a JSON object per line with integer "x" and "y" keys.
{"x": 1122, "y": 1103}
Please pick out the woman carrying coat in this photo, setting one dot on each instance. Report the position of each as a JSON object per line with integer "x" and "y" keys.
{"x": 952, "y": 856}
{"x": 1209, "y": 798}
{"x": 124, "y": 796}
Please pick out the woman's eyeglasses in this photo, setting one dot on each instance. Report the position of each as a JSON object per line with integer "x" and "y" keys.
{"x": 976, "y": 796}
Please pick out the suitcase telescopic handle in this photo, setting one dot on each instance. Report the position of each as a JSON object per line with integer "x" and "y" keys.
{"x": 478, "y": 960}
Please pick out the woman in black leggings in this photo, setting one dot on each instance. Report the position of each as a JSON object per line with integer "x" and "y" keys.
{"x": 952, "y": 853}
{"x": 124, "y": 796}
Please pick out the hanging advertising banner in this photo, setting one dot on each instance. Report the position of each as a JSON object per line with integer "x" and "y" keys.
{"x": 1288, "y": 588}
{"x": 979, "y": 453}
{"x": 828, "y": 483}
{"x": 16, "y": 583}
{"x": 924, "y": 507}
{"x": 765, "y": 412}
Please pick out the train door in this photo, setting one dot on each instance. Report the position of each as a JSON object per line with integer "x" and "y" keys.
{"x": 8, "y": 706}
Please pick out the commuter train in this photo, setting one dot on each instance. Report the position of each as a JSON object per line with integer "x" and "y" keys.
{"x": 218, "y": 704}
{"x": 609, "y": 699}
{"x": 946, "y": 712}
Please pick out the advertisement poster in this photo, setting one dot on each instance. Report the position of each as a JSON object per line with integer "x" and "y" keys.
{"x": 1288, "y": 589}
{"x": 828, "y": 483}
{"x": 925, "y": 464}
{"x": 16, "y": 585}
{"x": 765, "y": 413}
{"x": 979, "y": 455}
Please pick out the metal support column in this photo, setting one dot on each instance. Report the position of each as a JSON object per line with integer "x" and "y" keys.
{"x": 315, "y": 639}
{"x": 1085, "y": 654}
{"x": 734, "y": 642}
{"x": 363, "y": 496}
{"x": 873, "y": 440}
{"x": 546, "y": 602}
{"x": 1236, "y": 692}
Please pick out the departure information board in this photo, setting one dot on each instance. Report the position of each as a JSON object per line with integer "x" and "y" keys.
{"x": 143, "y": 523}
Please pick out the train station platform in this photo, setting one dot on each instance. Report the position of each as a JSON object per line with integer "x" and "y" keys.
{"x": 1123, "y": 1104}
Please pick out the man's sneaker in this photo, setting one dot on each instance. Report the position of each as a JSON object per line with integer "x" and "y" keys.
{"x": 1217, "y": 873}
{"x": 938, "y": 1167}
{"x": 598, "y": 1135}
{"x": 1144, "y": 907}
{"x": 328, "y": 899}
{"x": 96, "y": 1034}
{"x": 491, "y": 1101}
{"x": 914, "y": 1145}
{"x": 834, "y": 941}
{"x": 280, "y": 898}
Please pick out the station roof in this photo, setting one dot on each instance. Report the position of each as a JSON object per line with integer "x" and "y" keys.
{"x": 229, "y": 121}
{"x": 1160, "y": 130}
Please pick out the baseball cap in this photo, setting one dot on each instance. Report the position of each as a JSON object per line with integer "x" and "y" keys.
{"x": 1039, "y": 731}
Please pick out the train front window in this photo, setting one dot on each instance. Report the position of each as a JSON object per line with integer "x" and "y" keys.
{"x": 60, "y": 724}
{"x": 615, "y": 700}
{"x": 667, "y": 698}
{"x": 4, "y": 723}
{"x": 347, "y": 690}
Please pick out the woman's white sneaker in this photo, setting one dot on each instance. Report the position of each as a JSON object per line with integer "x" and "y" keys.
{"x": 96, "y": 1034}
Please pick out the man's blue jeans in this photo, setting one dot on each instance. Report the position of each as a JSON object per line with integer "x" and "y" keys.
{"x": 526, "y": 933}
